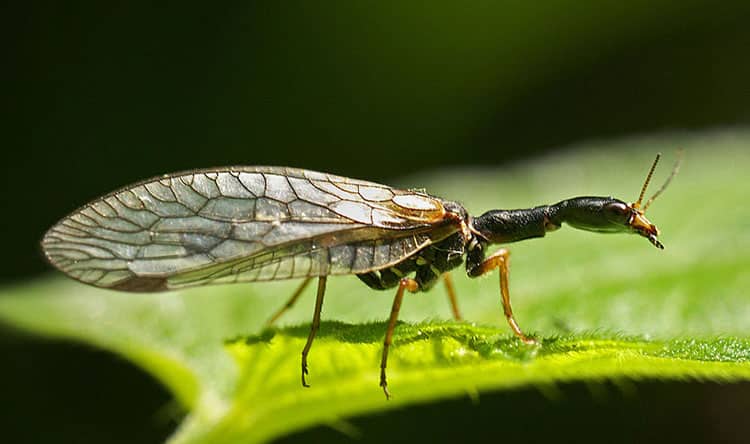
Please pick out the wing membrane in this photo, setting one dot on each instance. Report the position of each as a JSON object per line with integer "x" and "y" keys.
{"x": 241, "y": 224}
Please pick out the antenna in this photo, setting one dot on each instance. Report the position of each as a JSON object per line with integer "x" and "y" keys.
{"x": 637, "y": 204}
{"x": 675, "y": 170}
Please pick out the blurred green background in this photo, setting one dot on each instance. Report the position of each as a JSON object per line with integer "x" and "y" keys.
{"x": 102, "y": 94}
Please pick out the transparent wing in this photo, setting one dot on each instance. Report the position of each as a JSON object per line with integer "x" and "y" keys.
{"x": 241, "y": 224}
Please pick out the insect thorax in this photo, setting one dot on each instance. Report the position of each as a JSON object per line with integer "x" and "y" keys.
{"x": 429, "y": 263}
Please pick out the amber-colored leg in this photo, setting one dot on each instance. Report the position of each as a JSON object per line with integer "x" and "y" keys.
{"x": 500, "y": 261}
{"x": 448, "y": 280}
{"x": 315, "y": 326}
{"x": 405, "y": 284}
{"x": 290, "y": 303}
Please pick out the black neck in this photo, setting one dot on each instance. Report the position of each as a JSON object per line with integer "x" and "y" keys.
{"x": 503, "y": 226}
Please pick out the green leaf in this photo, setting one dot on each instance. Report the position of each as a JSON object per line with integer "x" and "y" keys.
{"x": 604, "y": 307}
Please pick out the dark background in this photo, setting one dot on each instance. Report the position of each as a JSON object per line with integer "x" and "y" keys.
{"x": 97, "y": 95}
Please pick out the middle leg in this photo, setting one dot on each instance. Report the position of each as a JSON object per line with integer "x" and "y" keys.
{"x": 405, "y": 284}
{"x": 448, "y": 280}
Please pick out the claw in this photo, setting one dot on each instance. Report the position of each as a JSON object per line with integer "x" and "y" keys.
{"x": 384, "y": 385}
{"x": 304, "y": 372}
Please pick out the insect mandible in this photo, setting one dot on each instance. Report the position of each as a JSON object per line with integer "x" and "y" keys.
{"x": 246, "y": 224}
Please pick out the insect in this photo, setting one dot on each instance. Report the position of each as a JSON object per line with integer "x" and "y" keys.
{"x": 247, "y": 224}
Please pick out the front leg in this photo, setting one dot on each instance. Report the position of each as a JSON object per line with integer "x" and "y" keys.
{"x": 500, "y": 261}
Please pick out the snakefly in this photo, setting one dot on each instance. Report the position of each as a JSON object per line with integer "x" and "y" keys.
{"x": 247, "y": 224}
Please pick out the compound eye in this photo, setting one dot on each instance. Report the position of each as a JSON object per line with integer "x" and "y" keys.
{"x": 617, "y": 208}
{"x": 617, "y": 211}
